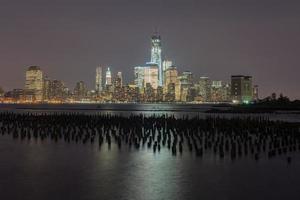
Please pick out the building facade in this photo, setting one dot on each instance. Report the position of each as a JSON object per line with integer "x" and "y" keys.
{"x": 241, "y": 89}
{"x": 98, "y": 86}
{"x": 146, "y": 74}
{"x": 156, "y": 56}
{"x": 108, "y": 79}
{"x": 80, "y": 90}
{"x": 151, "y": 75}
{"x": 203, "y": 88}
{"x": 34, "y": 84}
{"x": 139, "y": 77}
{"x": 166, "y": 64}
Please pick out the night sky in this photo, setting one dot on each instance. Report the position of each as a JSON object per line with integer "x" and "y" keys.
{"x": 68, "y": 39}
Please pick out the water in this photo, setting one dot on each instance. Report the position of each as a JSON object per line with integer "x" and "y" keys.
{"x": 35, "y": 170}
{"x": 178, "y": 110}
{"x": 32, "y": 169}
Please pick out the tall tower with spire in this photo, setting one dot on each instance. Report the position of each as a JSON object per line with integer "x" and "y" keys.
{"x": 108, "y": 80}
{"x": 156, "y": 55}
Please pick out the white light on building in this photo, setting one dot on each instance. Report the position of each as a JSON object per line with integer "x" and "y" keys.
{"x": 108, "y": 80}
{"x": 156, "y": 56}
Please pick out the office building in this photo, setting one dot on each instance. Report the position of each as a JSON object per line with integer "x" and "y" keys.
{"x": 146, "y": 74}
{"x": 241, "y": 89}
{"x": 171, "y": 75}
{"x": 80, "y": 90}
{"x": 98, "y": 86}
{"x": 108, "y": 79}
{"x": 203, "y": 88}
{"x": 156, "y": 56}
{"x": 139, "y": 77}
{"x": 151, "y": 75}
{"x": 34, "y": 84}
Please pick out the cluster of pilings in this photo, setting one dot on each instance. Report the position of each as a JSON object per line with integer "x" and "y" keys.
{"x": 257, "y": 137}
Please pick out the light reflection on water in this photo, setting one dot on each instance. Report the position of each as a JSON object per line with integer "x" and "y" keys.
{"x": 48, "y": 170}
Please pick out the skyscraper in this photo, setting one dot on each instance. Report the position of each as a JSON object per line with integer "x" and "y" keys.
{"x": 57, "y": 90}
{"x": 171, "y": 75}
{"x": 151, "y": 74}
{"x": 98, "y": 87}
{"x": 156, "y": 56}
{"x": 217, "y": 91}
{"x": 183, "y": 86}
{"x": 241, "y": 89}
{"x": 80, "y": 90}
{"x": 146, "y": 74}
{"x": 204, "y": 89}
{"x": 120, "y": 78}
{"x": 139, "y": 77}
{"x": 118, "y": 90}
{"x": 188, "y": 76}
{"x": 108, "y": 80}
{"x": 34, "y": 83}
{"x": 166, "y": 64}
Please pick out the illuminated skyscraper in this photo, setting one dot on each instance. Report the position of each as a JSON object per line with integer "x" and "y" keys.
{"x": 166, "y": 64}
{"x": 183, "y": 87}
{"x": 241, "y": 89}
{"x": 57, "y": 90}
{"x": 156, "y": 56}
{"x": 217, "y": 91}
{"x": 118, "y": 90}
{"x": 108, "y": 80}
{"x": 204, "y": 89}
{"x": 139, "y": 77}
{"x": 98, "y": 86}
{"x": 171, "y": 75}
{"x": 120, "y": 79}
{"x": 46, "y": 88}
{"x": 146, "y": 74}
{"x": 188, "y": 77}
{"x": 151, "y": 74}
{"x": 34, "y": 83}
{"x": 220, "y": 92}
{"x": 179, "y": 88}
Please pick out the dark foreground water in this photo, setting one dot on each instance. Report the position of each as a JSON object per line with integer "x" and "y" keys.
{"x": 32, "y": 169}
{"x": 35, "y": 170}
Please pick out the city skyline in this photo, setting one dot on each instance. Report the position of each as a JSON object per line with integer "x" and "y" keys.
{"x": 209, "y": 39}
{"x": 155, "y": 81}
{"x": 149, "y": 99}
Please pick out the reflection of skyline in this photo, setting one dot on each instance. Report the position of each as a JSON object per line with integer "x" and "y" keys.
{"x": 157, "y": 176}
{"x": 81, "y": 172}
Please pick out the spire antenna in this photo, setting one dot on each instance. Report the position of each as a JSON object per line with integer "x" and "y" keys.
{"x": 156, "y": 31}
